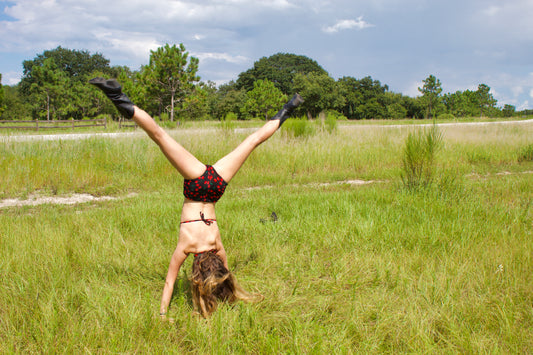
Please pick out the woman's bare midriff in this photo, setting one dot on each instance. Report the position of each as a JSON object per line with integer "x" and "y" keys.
{"x": 197, "y": 237}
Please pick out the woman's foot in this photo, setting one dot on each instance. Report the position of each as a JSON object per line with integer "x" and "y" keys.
{"x": 113, "y": 91}
{"x": 287, "y": 109}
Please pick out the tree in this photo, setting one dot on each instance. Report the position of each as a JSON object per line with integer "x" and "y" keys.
{"x": 395, "y": 109}
{"x": 196, "y": 105}
{"x": 47, "y": 87}
{"x": 320, "y": 92}
{"x": 431, "y": 93}
{"x": 14, "y": 106}
{"x": 413, "y": 106}
{"x": 76, "y": 65}
{"x": 280, "y": 69}
{"x": 508, "y": 110}
{"x": 348, "y": 89}
{"x": 485, "y": 99}
{"x": 172, "y": 71}
{"x": 364, "y": 98}
{"x": 265, "y": 99}
{"x": 228, "y": 99}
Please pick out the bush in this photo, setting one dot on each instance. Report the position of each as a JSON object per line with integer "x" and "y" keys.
{"x": 525, "y": 154}
{"x": 446, "y": 116}
{"x": 228, "y": 123}
{"x": 298, "y": 128}
{"x": 330, "y": 122}
{"x": 231, "y": 116}
{"x": 419, "y": 155}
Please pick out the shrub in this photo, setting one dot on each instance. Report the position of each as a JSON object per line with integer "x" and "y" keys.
{"x": 446, "y": 116}
{"x": 525, "y": 154}
{"x": 231, "y": 116}
{"x": 330, "y": 123}
{"x": 228, "y": 123}
{"x": 298, "y": 127}
{"x": 419, "y": 155}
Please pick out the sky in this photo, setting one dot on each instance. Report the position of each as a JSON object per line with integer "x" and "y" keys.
{"x": 464, "y": 43}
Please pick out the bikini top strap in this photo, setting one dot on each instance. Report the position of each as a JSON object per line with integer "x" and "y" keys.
{"x": 207, "y": 221}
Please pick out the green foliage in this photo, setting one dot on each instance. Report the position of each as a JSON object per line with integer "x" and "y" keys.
{"x": 280, "y": 69}
{"x": 171, "y": 75}
{"x": 15, "y": 109}
{"x": 264, "y": 100}
{"x": 327, "y": 121}
{"x": 75, "y": 65}
{"x": 419, "y": 156}
{"x": 331, "y": 121}
{"x": 231, "y": 116}
{"x": 228, "y": 99}
{"x": 508, "y": 110}
{"x": 228, "y": 125}
{"x": 485, "y": 99}
{"x": 2, "y": 97}
{"x": 525, "y": 154}
{"x": 396, "y": 111}
{"x": 446, "y": 116}
{"x": 474, "y": 103}
{"x": 319, "y": 91}
{"x": 195, "y": 106}
{"x": 297, "y": 128}
{"x": 364, "y": 98}
{"x": 48, "y": 90}
{"x": 431, "y": 94}
{"x": 54, "y": 85}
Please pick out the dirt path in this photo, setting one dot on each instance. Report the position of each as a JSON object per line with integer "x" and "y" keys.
{"x": 36, "y": 199}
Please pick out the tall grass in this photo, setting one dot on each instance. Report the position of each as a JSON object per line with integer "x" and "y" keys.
{"x": 418, "y": 160}
{"x": 345, "y": 269}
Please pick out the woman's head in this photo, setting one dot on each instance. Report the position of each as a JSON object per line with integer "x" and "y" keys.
{"x": 212, "y": 282}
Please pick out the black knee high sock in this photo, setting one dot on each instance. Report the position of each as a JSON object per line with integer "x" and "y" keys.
{"x": 284, "y": 113}
{"x": 113, "y": 91}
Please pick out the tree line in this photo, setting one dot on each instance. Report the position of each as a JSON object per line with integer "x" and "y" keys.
{"x": 54, "y": 86}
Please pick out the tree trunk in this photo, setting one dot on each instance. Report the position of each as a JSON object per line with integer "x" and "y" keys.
{"x": 172, "y": 106}
{"x": 47, "y": 107}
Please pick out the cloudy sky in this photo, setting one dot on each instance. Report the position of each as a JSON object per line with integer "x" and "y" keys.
{"x": 463, "y": 43}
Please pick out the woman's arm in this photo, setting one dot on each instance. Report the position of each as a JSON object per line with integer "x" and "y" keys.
{"x": 221, "y": 252}
{"x": 178, "y": 257}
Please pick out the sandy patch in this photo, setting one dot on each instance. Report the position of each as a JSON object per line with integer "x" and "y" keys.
{"x": 34, "y": 200}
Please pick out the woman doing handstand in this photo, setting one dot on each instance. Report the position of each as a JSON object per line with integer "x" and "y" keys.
{"x": 203, "y": 186}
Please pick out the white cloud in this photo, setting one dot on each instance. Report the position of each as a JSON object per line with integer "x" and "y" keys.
{"x": 484, "y": 42}
{"x": 508, "y": 21}
{"x": 531, "y": 93}
{"x": 136, "y": 46}
{"x": 359, "y": 23}
{"x": 523, "y": 106}
{"x": 11, "y": 78}
{"x": 492, "y": 10}
{"x": 238, "y": 59}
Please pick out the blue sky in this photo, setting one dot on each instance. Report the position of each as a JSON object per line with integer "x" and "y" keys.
{"x": 463, "y": 43}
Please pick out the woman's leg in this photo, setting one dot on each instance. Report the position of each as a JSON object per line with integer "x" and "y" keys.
{"x": 228, "y": 166}
{"x": 188, "y": 166}
{"x": 186, "y": 163}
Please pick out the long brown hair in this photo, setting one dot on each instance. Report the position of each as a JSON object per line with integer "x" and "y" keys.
{"x": 212, "y": 282}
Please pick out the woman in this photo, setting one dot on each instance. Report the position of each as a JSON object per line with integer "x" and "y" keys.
{"x": 203, "y": 186}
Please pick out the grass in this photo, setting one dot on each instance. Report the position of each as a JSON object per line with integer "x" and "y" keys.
{"x": 346, "y": 269}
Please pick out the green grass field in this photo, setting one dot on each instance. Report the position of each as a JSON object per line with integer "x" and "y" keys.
{"x": 347, "y": 268}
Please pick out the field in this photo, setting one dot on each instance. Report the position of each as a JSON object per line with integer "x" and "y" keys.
{"x": 355, "y": 263}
